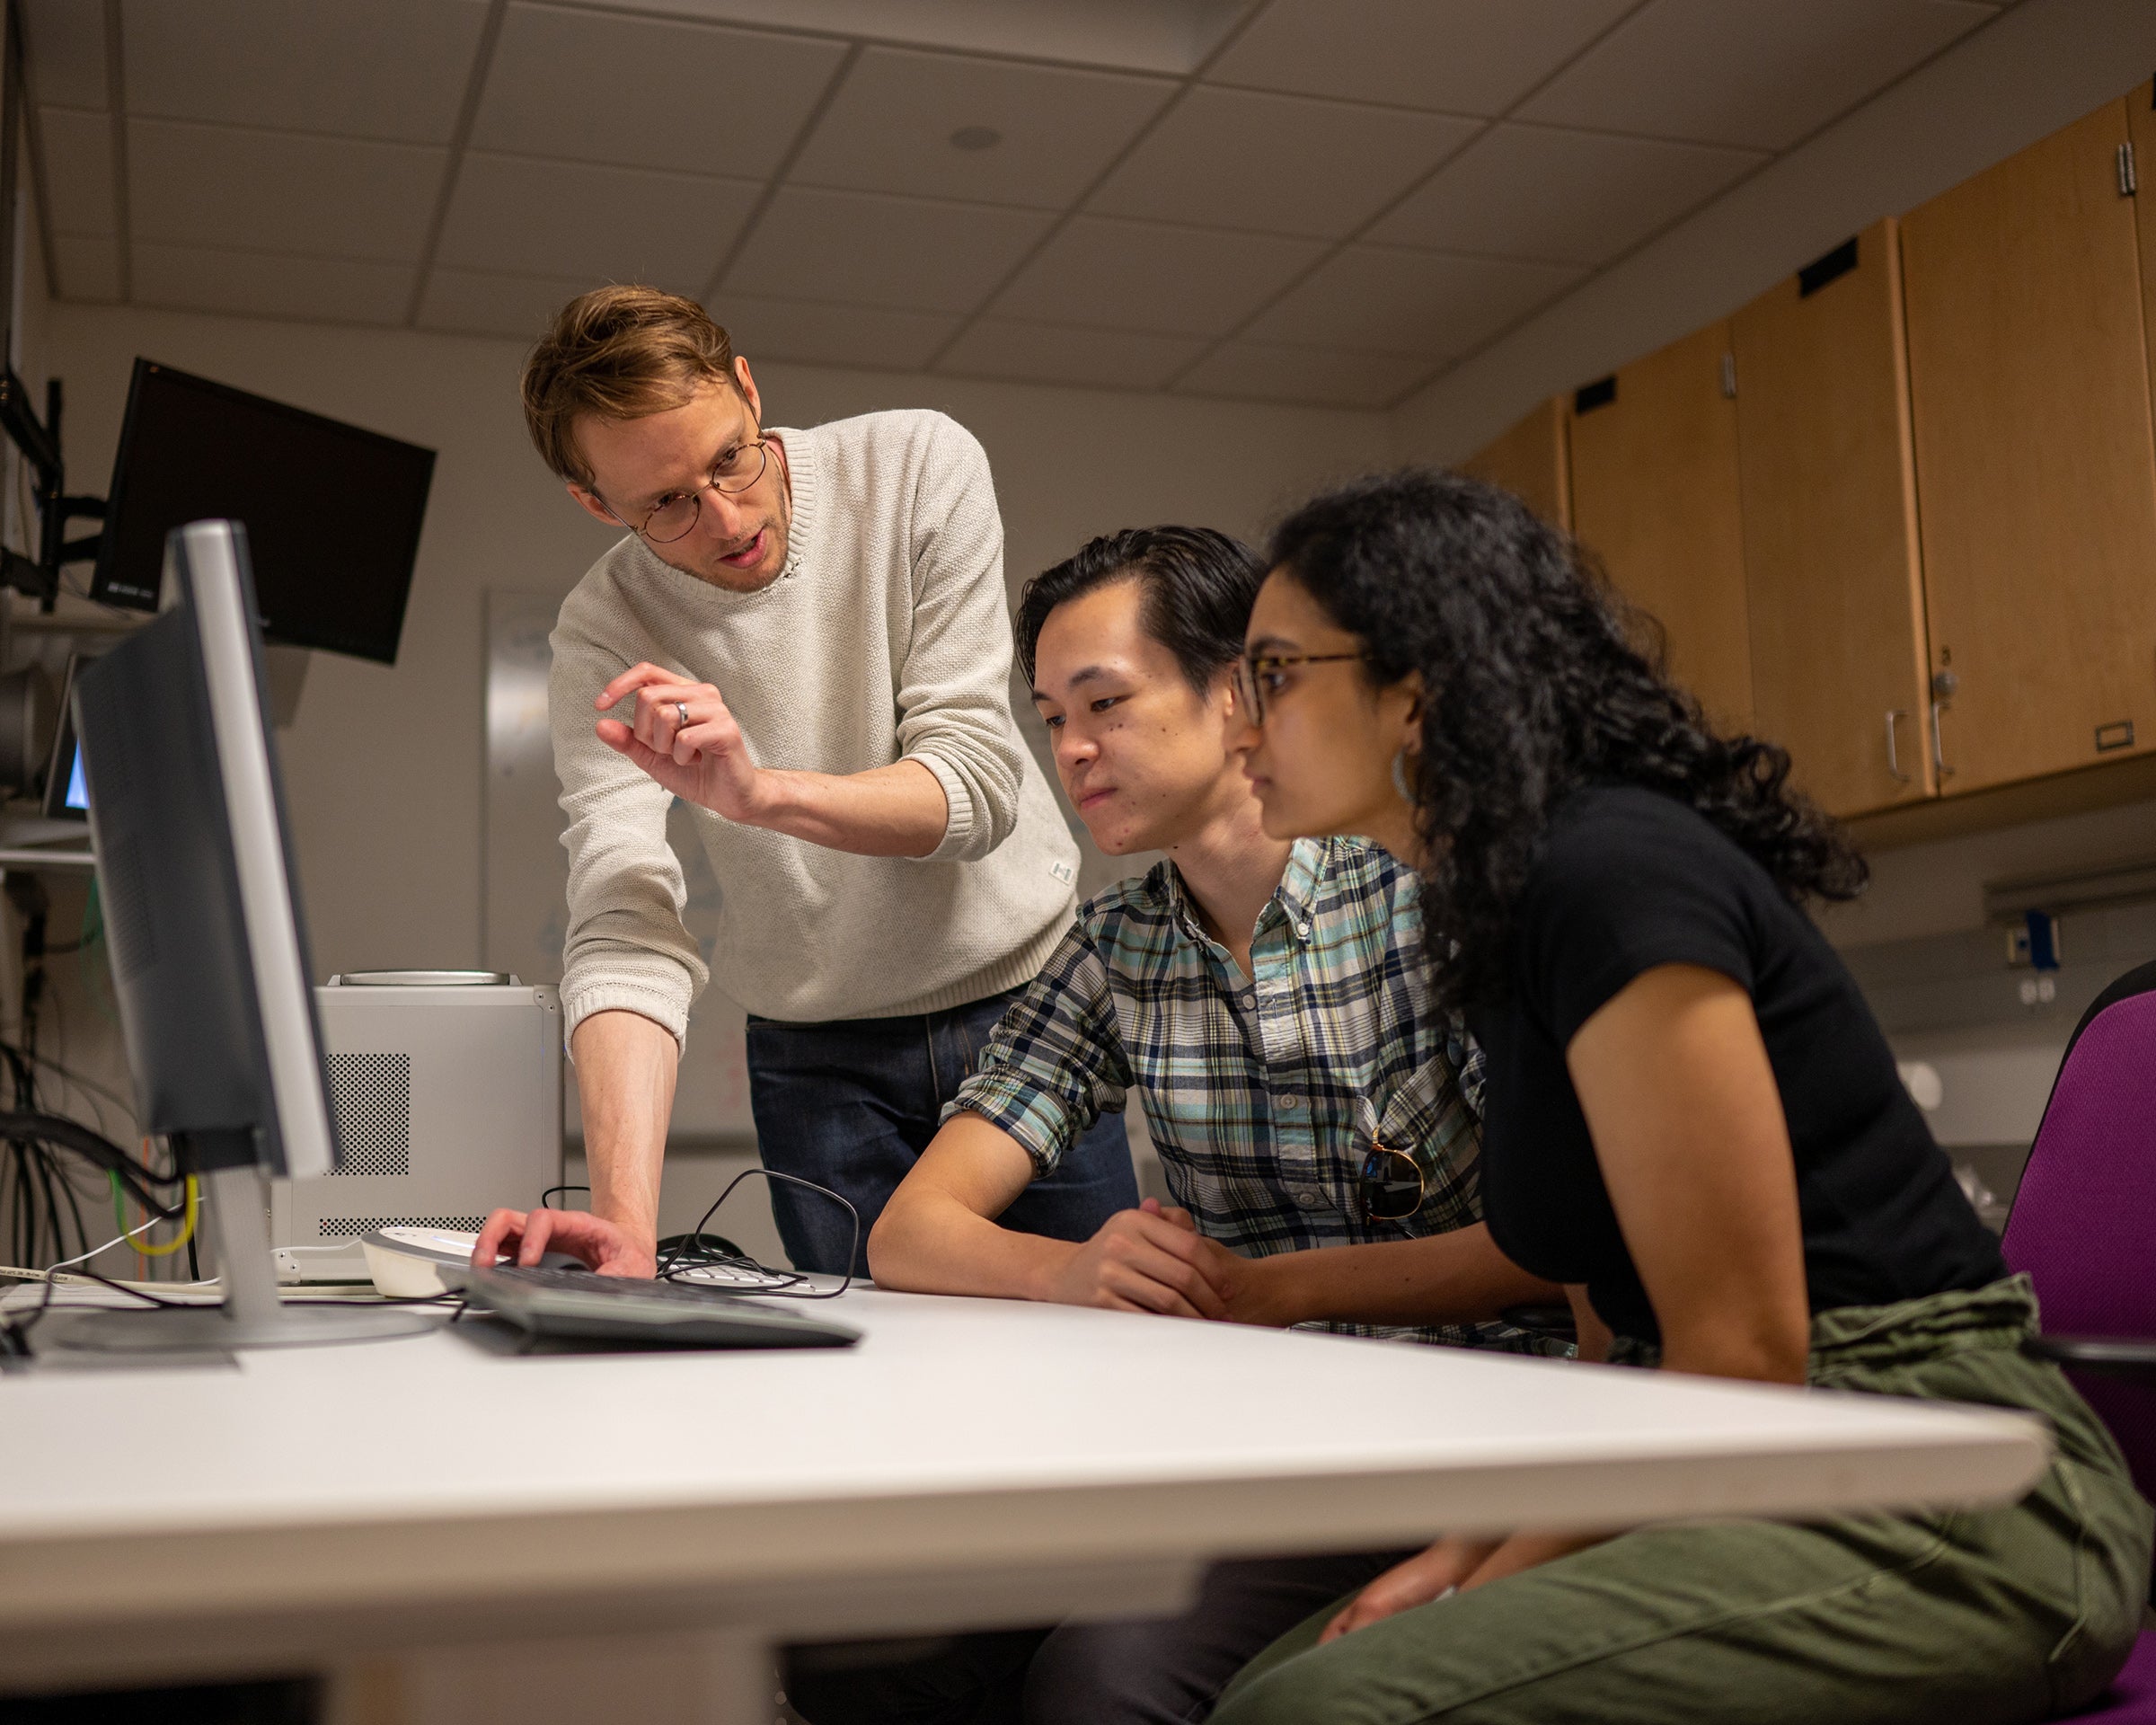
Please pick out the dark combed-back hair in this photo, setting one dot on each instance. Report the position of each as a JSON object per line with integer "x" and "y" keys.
{"x": 1199, "y": 587}
{"x": 1533, "y": 685}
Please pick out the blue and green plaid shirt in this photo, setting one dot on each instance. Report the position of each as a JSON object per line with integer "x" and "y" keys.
{"x": 1262, "y": 1092}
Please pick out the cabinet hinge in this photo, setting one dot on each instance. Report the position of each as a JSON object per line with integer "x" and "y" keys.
{"x": 1729, "y": 377}
{"x": 2129, "y": 182}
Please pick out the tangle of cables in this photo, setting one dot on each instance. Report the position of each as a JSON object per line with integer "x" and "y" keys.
{"x": 42, "y": 1205}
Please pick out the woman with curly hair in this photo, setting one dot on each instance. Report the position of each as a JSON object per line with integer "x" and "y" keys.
{"x": 1691, "y": 1118}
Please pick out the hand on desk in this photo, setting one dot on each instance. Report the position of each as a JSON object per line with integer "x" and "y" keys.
{"x": 1250, "y": 1289}
{"x": 607, "y": 1246}
{"x": 1147, "y": 1259}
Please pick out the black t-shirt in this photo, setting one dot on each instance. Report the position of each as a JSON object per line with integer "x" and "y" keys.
{"x": 1628, "y": 879}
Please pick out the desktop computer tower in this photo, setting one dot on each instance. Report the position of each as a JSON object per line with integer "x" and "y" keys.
{"x": 446, "y": 1090}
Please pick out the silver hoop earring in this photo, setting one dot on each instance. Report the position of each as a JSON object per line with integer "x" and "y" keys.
{"x": 1400, "y": 776}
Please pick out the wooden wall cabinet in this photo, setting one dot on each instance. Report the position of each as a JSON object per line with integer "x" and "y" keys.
{"x": 1529, "y": 461}
{"x": 1833, "y": 579}
{"x": 2140, "y": 132}
{"x": 1655, "y": 494}
{"x": 2036, "y": 470}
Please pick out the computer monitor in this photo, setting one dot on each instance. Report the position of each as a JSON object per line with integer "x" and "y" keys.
{"x": 67, "y": 795}
{"x": 333, "y": 512}
{"x": 208, "y": 950}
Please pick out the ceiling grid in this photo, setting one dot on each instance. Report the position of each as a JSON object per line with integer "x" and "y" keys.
{"x": 467, "y": 114}
{"x": 1319, "y": 201}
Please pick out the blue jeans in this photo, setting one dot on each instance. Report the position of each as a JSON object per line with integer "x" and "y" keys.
{"x": 850, "y": 1104}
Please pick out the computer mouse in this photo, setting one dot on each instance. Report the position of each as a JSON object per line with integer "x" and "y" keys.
{"x": 409, "y": 1263}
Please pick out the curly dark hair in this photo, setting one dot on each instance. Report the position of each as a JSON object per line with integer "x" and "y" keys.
{"x": 1535, "y": 684}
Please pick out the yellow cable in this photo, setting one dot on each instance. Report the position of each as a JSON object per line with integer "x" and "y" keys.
{"x": 186, "y": 1228}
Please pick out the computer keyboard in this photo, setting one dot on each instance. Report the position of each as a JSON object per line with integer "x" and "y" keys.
{"x": 578, "y": 1305}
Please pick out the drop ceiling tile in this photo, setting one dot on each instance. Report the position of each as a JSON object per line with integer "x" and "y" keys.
{"x": 64, "y": 52}
{"x": 891, "y": 126}
{"x": 1563, "y": 197}
{"x": 1766, "y": 73}
{"x": 1382, "y": 300}
{"x": 645, "y": 93}
{"x": 811, "y": 333}
{"x": 1315, "y": 376}
{"x": 385, "y": 68}
{"x": 514, "y": 216}
{"x": 228, "y": 190}
{"x": 78, "y": 170}
{"x": 1464, "y": 57}
{"x": 870, "y": 250}
{"x": 1046, "y": 353}
{"x": 1280, "y": 165}
{"x": 245, "y": 284}
{"x": 88, "y": 269}
{"x": 1118, "y": 275}
{"x": 470, "y": 302}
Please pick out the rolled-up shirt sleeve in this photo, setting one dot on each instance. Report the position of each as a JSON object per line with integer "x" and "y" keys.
{"x": 1056, "y": 1061}
{"x": 954, "y": 684}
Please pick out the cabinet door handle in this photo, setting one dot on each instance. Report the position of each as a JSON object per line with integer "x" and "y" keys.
{"x": 1894, "y": 765}
{"x": 1939, "y": 752}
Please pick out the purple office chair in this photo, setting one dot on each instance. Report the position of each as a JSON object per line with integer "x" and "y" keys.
{"x": 2083, "y": 1228}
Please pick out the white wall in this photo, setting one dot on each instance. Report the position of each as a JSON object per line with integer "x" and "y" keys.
{"x": 383, "y": 764}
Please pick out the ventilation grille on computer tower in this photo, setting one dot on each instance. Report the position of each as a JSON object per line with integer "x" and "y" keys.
{"x": 343, "y": 1227}
{"x": 372, "y": 1096}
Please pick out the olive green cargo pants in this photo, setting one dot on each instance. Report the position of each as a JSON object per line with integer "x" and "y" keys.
{"x": 1976, "y": 1618}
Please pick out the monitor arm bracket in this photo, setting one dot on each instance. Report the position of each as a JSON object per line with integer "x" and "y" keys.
{"x": 39, "y": 442}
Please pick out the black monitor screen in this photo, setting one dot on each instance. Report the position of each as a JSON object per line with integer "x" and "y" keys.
{"x": 332, "y": 512}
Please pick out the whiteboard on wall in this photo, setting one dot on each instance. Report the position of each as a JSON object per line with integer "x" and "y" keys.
{"x": 524, "y": 908}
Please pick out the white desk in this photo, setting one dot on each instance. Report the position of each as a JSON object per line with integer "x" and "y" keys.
{"x": 546, "y": 1521}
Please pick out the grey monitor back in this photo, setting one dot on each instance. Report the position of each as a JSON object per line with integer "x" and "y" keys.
{"x": 209, "y": 958}
{"x": 209, "y": 961}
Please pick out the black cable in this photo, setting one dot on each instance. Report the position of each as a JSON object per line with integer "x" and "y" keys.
{"x": 14, "y": 1336}
{"x": 790, "y": 1284}
{"x": 75, "y": 1206}
{"x": 58, "y": 1130}
{"x": 43, "y": 1163}
{"x": 23, "y": 1214}
{"x": 551, "y": 1190}
{"x": 686, "y": 1251}
{"x": 181, "y": 1305}
{"x": 143, "y": 1294}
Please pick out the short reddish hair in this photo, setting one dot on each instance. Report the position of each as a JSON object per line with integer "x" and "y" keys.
{"x": 621, "y": 352}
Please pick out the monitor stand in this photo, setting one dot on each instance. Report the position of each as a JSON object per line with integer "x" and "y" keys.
{"x": 251, "y": 1315}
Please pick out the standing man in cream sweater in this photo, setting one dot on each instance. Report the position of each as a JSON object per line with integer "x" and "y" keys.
{"x": 804, "y": 636}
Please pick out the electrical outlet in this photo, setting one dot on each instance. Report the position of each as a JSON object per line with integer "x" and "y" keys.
{"x": 2024, "y": 939}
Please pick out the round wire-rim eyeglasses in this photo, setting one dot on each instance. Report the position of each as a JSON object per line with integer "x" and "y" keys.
{"x": 674, "y": 517}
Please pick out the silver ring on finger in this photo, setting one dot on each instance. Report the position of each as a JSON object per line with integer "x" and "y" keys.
{"x": 682, "y": 707}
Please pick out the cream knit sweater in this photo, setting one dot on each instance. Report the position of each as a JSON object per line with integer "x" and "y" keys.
{"x": 887, "y": 638}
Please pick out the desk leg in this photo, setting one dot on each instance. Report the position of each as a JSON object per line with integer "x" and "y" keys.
{"x": 710, "y": 1678}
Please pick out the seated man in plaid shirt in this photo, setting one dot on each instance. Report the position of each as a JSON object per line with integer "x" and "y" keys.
{"x": 1265, "y": 998}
